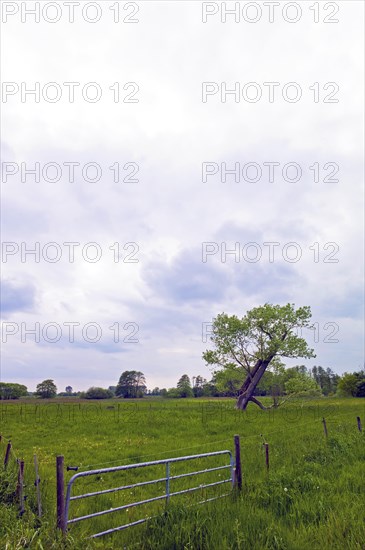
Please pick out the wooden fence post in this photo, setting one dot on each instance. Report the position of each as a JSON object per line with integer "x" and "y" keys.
{"x": 20, "y": 486}
{"x": 325, "y": 427}
{"x": 359, "y": 423}
{"x": 61, "y": 524}
{"x": 7, "y": 454}
{"x": 36, "y": 483}
{"x": 267, "y": 460}
{"x": 238, "y": 470}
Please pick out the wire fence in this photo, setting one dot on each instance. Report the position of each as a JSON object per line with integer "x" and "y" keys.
{"x": 25, "y": 489}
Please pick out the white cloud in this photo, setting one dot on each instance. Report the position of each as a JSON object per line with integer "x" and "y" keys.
{"x": 170, "y": 212}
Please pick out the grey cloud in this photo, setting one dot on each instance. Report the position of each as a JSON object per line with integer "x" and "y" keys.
{"x": 17, "y": 297}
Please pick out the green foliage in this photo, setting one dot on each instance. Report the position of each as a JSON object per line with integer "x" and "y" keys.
{"x": 360, "y": 391}
{"x": 131, "y": 384}
{"x": 173, "y": 393}
{"x": 98, "y": 393}
{"x": 229, "y": 380}
{"x": 302, "y": 384}
{"x": 184, "y": 387}
{"x": 347, "y": 384}
{"x": 12, "y": 390}
{"x": 262, "y": 334}
{"x": 326, "y": 379}
{"x": 199, "y": 384}
{"x": 46, "y": 389}
{"x": 247, "y": 347}
{"x": 259, "y": 339}
{"x": 352, "y": 384}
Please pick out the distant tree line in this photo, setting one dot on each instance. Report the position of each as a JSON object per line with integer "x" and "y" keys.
{"x": 12, "y": 391}
{"x": 298, "y": 380}
{"x": 279, "y": 381}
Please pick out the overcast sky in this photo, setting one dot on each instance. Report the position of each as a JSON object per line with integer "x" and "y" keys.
{"x": 298, "y": 153}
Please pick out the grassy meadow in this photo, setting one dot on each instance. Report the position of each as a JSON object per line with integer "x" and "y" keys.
{"x": 311, "y": 497}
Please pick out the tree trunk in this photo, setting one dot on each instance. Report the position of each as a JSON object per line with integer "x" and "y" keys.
{"x": 249, "y": 377}
{"x": 249, "y": 385}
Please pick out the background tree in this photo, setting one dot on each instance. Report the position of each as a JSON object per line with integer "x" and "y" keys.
{"x": 9, "y": 390}
{"x": 326, "y": 379}
{"x": 229, "y": 380}
{"x": 131, "y": 384}
{"x": 173, "y": 393}
{"x": 198, "y": 385}
{"x": 251, "y": 343}
{"x": 68, "y": 389}
{"x": 348, "y": 384}
{"x": 302, "y": 385}
{"x": 184, "y": 386}
{"x": 210, "y": 389}
{"x": 360, "y": 390}
{"x": 46, "y": 389}
{"x": 98, "y": 393}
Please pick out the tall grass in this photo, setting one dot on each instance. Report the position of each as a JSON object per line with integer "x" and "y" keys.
{"x": 312, "y": 497}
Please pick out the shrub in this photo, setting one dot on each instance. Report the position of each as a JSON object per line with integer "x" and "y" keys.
{"x": 98, "y": 393}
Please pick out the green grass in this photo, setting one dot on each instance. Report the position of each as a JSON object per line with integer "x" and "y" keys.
{"x": 312, "y": 497}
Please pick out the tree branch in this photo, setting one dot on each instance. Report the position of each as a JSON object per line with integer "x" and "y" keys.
{"x": 265, "y": 331}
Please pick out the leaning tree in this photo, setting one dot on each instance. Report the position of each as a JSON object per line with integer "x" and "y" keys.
{"x": 255, "y": 341}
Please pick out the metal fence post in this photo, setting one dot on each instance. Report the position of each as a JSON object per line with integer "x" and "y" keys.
{"x": 238, "y": 471}
{"x": 36, "y": 483}
{"x": 61, "y": 524}
{"x": 167, "y": 482}
{"x": 359, "y": 423}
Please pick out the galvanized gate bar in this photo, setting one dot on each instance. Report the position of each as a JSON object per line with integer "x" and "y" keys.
{"x": 166, "y": 496}
{"x": 121, "y": 528}
{"x": 138, "y": 522}
{"x": 116, "y": 489}
{"x": 143, "y": 464}
{"x": 166, "y": 479}
{"x": 147, "y": 482}
{"x": 111, "y": 510}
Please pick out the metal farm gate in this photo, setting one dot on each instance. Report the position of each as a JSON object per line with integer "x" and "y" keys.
{"x": 165, "y": 496}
